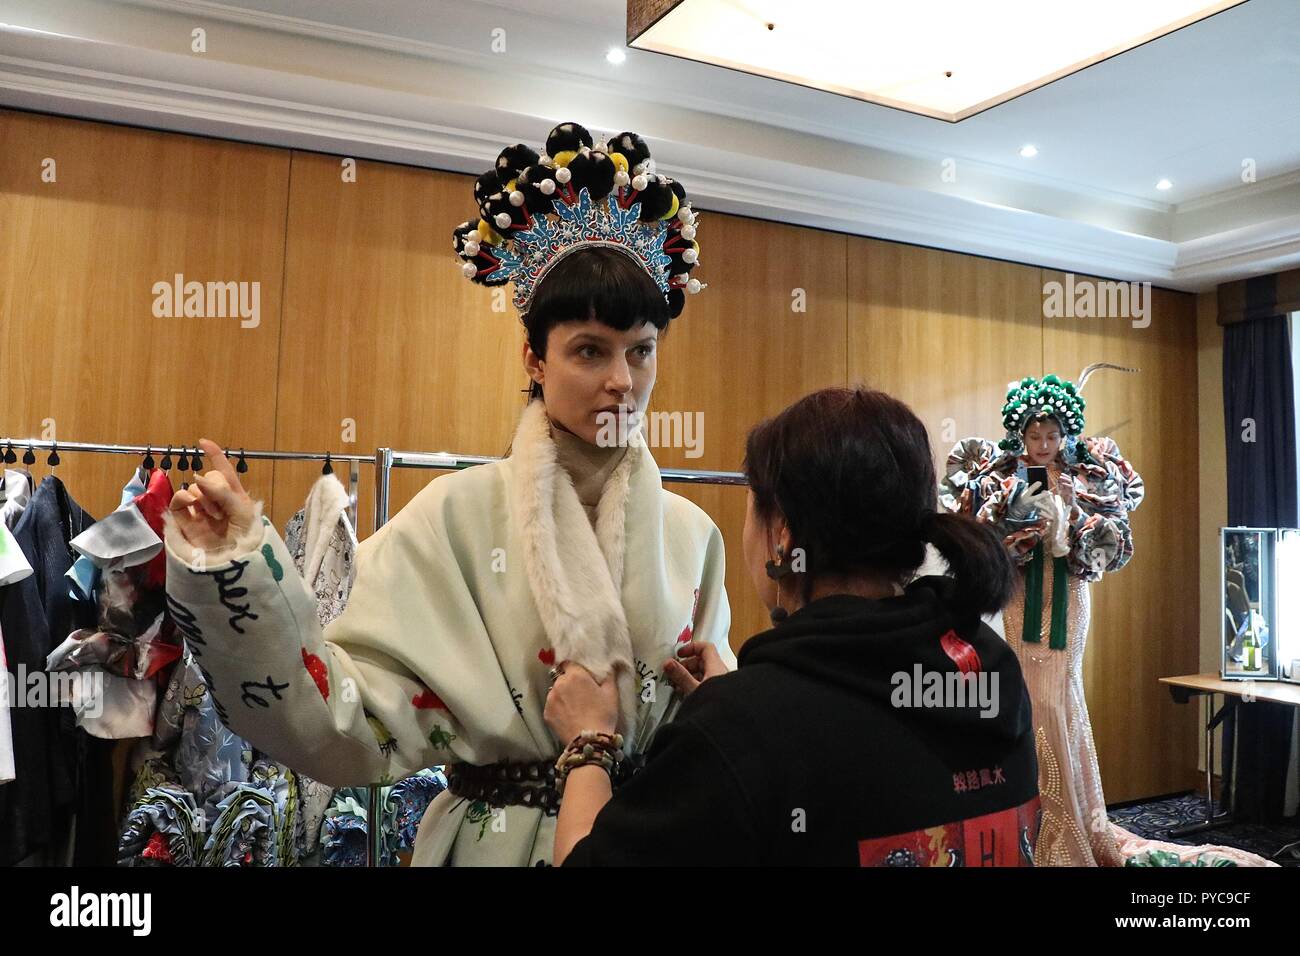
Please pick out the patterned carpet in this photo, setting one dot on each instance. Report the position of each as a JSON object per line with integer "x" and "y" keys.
{"x": 1153, "y": 818}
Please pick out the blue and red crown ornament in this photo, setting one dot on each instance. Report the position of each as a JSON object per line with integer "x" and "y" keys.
{"x": 536, "y": 209}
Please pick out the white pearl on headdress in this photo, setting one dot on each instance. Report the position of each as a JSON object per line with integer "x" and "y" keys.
{"x": 688, "y": 233}
{"x": 684, "y": 213}
{"x": 563, "y": 175}
{"x": 621, "y": 179}
{"x": 469, "y": 270}
{"x": 639, "y": 182}
{"x": 546, "y": 186}
{"x": 471, "y": 248}
{"x": 694, "y": 285}
{"x": 502, "y": 219}
{"x": 690, "y": 255}
{"x": 516, "y": 198}
{"x": 473, "y": 236}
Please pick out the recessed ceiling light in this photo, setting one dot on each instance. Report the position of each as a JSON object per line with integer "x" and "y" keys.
{"x": 948, "y": 59}
{"x": 615, "y": 55}
{"x": 1164, "y": 184}
{"x": 1029, "y": 151}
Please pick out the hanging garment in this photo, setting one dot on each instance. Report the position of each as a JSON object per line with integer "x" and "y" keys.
{"x": 255, "y": 823}
{"x": 114, "y": 662}
{"x": 13, "y": 568}
{"x": 1047, "y": 623}
{"x": 343, "y": 835}
{"x": 17, "y": 492}
{"x": 323, "y": 544}
{"x": 6, "y": 732}
{"x": 463, "y": 602}
{"x": 161, "y": 829}
{"x": 59, "y": 771}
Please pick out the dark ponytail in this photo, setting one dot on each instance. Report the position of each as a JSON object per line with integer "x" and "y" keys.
{"x": 850, "y": 470}
{"x": 977, "y": 559}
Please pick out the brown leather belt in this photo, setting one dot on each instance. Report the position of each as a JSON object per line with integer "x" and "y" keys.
{"x": 522, "y": 783}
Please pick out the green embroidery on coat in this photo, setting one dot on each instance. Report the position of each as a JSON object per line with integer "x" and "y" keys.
{"x": 276, "y": 571}
{"x": 266, "y": 522}
{"x": 480, "y": 813}
{"x": 441, "y": 738}
{"x": 387, "y": 742}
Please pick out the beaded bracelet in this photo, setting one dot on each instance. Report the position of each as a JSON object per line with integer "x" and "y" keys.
{"x": 589, "y": 748}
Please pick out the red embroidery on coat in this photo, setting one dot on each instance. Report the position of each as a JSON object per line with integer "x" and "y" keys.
{"x": 427, "y": 699}
{"x": 318, "y": 671}
{"x": 689, "y": 630}
{"x": 547, "y": 656}
{"x": 960, "y": 653}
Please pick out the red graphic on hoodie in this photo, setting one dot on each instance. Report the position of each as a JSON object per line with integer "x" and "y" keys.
{"x": 318, "y": 671}
{"x": 961, "y": 653}
{"x": 547, "y": 656}
{"x": 689, "y": 630}
{"x": 427, "y": 700}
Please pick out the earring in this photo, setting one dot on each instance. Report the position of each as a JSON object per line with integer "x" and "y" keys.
{"x": 776, "y": 570}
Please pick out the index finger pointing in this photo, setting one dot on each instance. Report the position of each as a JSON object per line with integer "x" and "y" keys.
{"x": 221, "y": 463}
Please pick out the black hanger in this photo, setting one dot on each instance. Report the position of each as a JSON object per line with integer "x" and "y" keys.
{"x": 329, "y": 468}
{"x": 184, "y": 462}
{"x": 53, "y": 459}
{"x": 29, "y": 457}
{"x": 148, "y": 458}
{"x": 241, "y": 466}
{"x": 167, "y": 460}
{"x": 10, "y": 457}
{"x": 196, "y": 463}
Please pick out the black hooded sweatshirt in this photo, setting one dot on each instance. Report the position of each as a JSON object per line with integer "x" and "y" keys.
{"x": 815, "y": 751}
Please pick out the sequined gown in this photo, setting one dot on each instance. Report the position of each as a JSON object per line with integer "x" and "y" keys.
{"x": 983, "y": 481}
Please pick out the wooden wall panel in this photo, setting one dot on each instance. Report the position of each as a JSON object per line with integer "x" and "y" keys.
{"x": 381, "y": 328}
{"x": 78, "y": 261}
{"x": 741, "y": 353}
{"x": 943, "y": 332}
{"x": 1145, "y": 622}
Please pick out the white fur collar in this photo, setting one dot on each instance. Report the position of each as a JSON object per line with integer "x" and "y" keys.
{"x": 575, "y": 573}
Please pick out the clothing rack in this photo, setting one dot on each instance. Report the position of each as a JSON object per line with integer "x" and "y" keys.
{"x": 354, "y": 461}
{"x": 385, "y": 459}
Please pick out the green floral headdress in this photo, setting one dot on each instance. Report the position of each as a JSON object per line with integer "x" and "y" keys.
{"x": 1031, "y": 400}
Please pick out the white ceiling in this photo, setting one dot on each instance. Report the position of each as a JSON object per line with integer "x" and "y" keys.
{"x": 417, "y": 81}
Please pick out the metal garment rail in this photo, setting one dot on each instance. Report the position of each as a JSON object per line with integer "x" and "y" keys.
{"x": 386, "y": 459}
{"x": 188, "y": 451}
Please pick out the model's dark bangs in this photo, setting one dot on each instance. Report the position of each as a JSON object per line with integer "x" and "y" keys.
{"x": 596, "y": 283}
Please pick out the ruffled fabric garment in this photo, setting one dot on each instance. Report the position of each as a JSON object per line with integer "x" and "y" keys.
{"x": 255, "y": 823}
{"x": 162, "y": 829}
{"x": 985, "y": 482}
{"x": 343, "y": 835}
{"x": 1137, "y": 851}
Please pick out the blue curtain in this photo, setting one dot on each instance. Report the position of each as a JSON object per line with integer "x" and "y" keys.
{"x": 1259, "y": 404}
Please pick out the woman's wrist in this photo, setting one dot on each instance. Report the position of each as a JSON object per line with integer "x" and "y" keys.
{"x": 590, "y": 748}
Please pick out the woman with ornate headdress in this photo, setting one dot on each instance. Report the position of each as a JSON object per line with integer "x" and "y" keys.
{"x": 1065, "y": 535}
{"x": 569, "y": 549}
